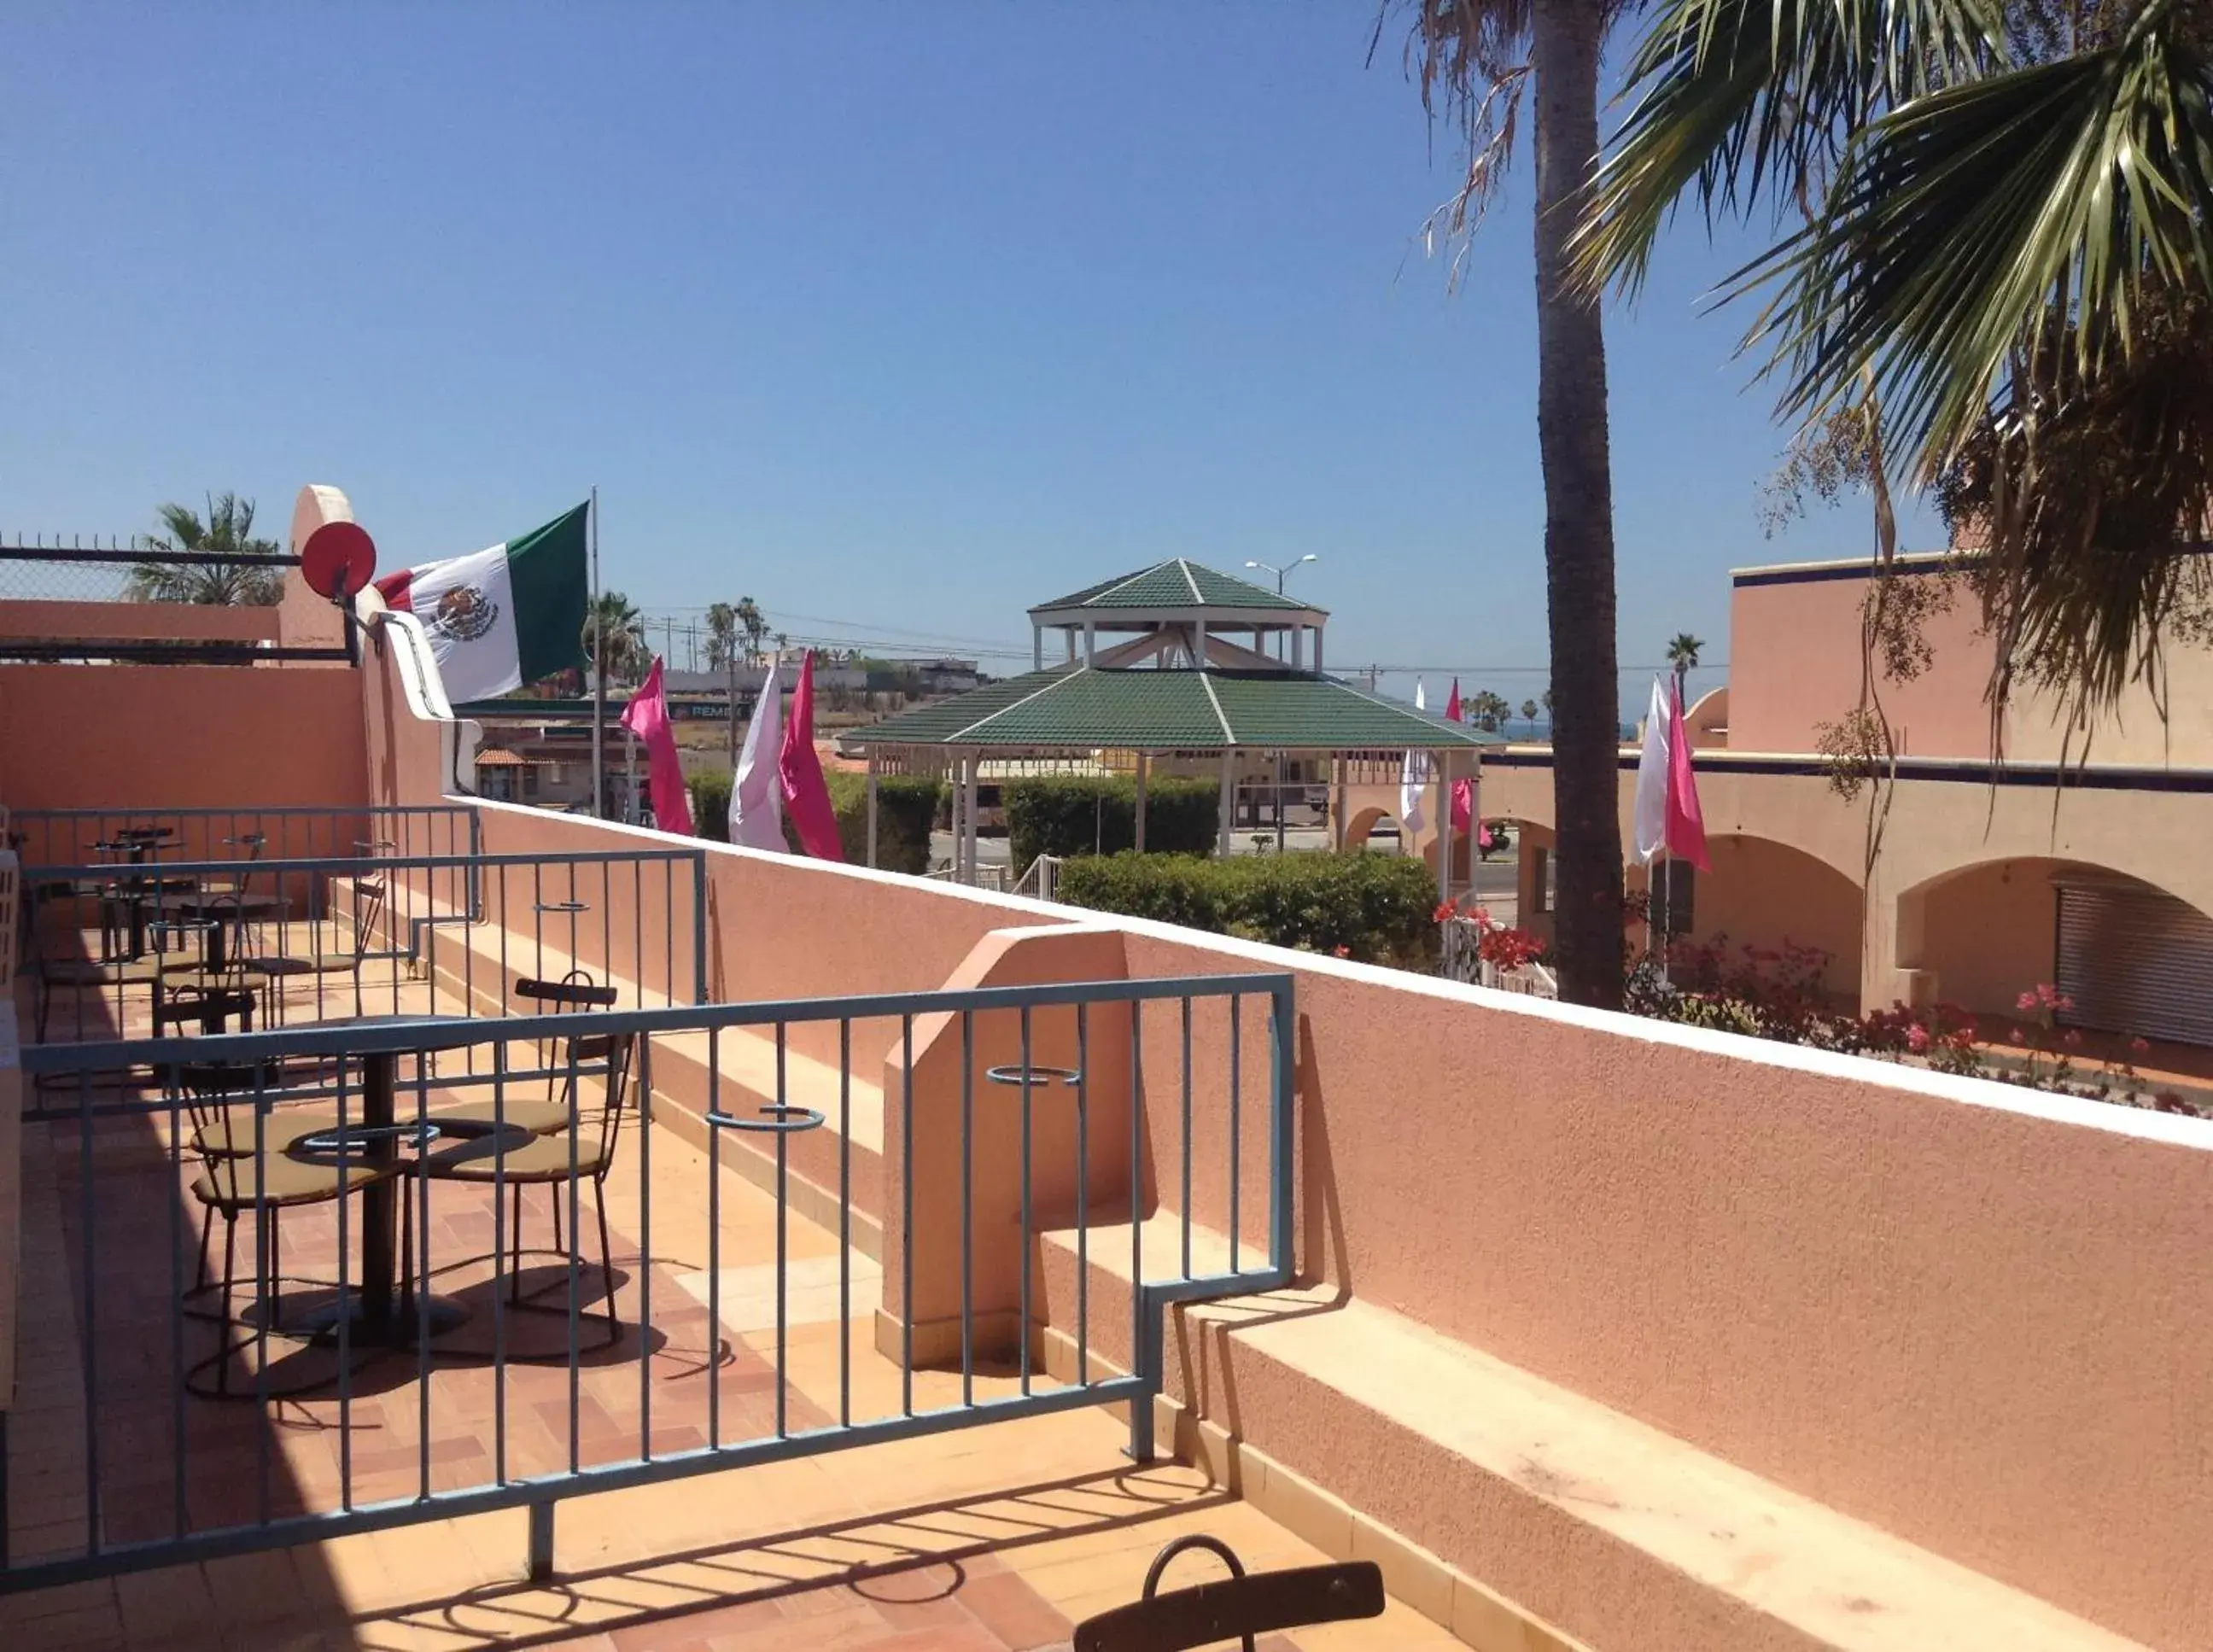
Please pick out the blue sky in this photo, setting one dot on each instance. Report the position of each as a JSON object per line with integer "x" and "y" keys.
{"x": 896, "y": 318}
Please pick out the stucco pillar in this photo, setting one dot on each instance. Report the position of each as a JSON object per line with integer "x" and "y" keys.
{"x": 872, "y": 808}
{"x": 1144, "y": 763}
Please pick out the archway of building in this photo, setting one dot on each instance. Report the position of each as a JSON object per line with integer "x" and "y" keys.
{"x": 1765, "y": 893}
{"x": 1363, "y": 826}
{"x": 1980, "y": 936}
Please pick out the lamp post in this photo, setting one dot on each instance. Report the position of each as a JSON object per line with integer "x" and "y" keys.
{"x": 1281, "y": 574}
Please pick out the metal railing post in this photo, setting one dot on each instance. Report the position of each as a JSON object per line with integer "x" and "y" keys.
{"x": 541, "y": 1541}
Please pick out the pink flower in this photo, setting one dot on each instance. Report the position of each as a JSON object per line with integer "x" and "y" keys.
{"x": 2074, "y": 1038}
{"x": 1916, "y": 1039}
{"x": 2026, "y": 1001}
{"x": 1340, "y": 952}
{"x": 2018, "y": 1036}
{"x": 1482, "y": 916}
{"x": 2141, "y": 1047}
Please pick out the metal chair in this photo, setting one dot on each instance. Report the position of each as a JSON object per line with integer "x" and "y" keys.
{"x": 368, "y": 897}
{"x": 577, "y": 1152}
{"x": 1236, "y": 1608}
{"x": 540, "y": 1115}
{"x": 243, "y": 1183}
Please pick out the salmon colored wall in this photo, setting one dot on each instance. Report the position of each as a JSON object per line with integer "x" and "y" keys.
{"x": 1989, "y": 933}
{"x": 177, "y": 736}
{"x": 157, "y": 621}
{"x": 1795, "y": 664}
{"x": 1972, "y": 1326}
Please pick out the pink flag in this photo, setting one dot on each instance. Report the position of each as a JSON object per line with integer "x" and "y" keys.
{"x": 806, "y": 793}
{"x": 647, "y": 716}
{"x": 1463, "y": 808}
{"x": 1686, "y": 821}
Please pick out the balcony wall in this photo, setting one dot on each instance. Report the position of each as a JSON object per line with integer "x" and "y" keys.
{"x": 1967, "y": 1314}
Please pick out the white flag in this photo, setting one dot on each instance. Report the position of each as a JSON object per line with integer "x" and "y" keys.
{"x": 757, "y": 793}
{"x": 1414, "y": 779}
{"x": 1650, "y": 821}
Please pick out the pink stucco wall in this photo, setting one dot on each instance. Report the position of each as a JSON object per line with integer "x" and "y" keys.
{"x": 157, "y": 621}
{"x": 179, "y": 735}
{"x": 1795, "y": 663}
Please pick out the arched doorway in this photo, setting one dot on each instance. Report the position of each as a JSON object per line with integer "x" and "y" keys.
{"x": 2133, "y": 958}
{"x": 1763, "y": 894}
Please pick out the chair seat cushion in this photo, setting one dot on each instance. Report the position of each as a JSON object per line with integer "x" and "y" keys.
{"x": 539, "y": 1159}
{"x": 242, "y": 1183}
{"x": 540, "y": 1115}
{"x": 231, "y": 1136}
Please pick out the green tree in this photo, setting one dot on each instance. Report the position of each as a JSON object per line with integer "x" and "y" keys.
{"x": 2008, "y": 244}
{"x": 752, "y": 625}
{"x": 1683, "y": 658}
{"x": 614, "y": 616}
{"x": 227, "y": 531}
{"x": 1477, "y": 61}
{"x": 1528, "y": 710}
{"x": 1488, "y": 711}
{"x": 722, "y": 636}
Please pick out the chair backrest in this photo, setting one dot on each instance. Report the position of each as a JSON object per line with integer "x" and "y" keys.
{"x": 368, "y": 912}
{"x": 574, "y": 991}
{"x": 1238, "y": 1607}
{"x": 206, "y": 1089}
{"x": 611, "y": 1054}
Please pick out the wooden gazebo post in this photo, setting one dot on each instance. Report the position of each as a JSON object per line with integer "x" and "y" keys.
{"x": 1144, "y": 763}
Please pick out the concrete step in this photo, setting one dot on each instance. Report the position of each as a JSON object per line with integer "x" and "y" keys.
{"x": 1582, "y": 1518}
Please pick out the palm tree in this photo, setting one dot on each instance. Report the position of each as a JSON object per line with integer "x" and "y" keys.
{"x": 2006, "y": 245}
{"x": 1682, "y": 656}
{"x": 752, "y": 625}
{"x": 1529, "y": 711}
{"x": 613, "y": 615}
{"x": 1476, "y": 60}
{"x": 1489, "y": 709}
{"x": 722, "y": 636}
{"x": 228, "y": 531}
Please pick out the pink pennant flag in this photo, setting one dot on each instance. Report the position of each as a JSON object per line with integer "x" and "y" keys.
{"x": 647, "y": 717}
{"x": 1463, "y": 808}
{"x": 1686, "y": 821}
{"x": 806, "y": 793}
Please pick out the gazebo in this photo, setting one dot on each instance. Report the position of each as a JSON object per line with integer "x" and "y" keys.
{"x": 1150, "y": 669}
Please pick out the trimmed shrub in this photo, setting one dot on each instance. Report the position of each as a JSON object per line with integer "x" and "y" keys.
{"x": 1378, "y": 908}
{"x": 905, "y": 808}
{"x": 1068, "y": 815}
{"x": 711, "y": 805}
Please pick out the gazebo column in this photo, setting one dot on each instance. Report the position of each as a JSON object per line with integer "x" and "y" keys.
{"x": 1443, "y": 767}
{"x": 1090, "y": 643}
{"x": 1298, "y": 648}
{"x": 1316, "y": 632}
{"x": 1037, "y": 648}
{"x": 872, "y": 808}
{"x": 1144, "y": 763}
{"x": 1340, "y": 802}
{"x": 975, "y": 776}
{"x": 1228, "y": 799}
{"x": 1199, "y": 645}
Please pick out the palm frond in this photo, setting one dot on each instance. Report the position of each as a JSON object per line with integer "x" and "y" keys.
{"x": 1470, "y": 58}
{"x": 1749, "y": 104}
{"x": 1964, "y": 219}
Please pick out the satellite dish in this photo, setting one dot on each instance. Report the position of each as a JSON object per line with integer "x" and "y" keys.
{"x": 337, "y": 559}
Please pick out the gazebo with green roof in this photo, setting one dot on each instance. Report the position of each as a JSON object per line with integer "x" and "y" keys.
{"x": 1151, "y": 670}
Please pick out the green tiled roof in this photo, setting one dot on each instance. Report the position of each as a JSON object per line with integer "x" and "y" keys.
{"x": 1177, "y": 583}
{"x": 1081, "y": 708}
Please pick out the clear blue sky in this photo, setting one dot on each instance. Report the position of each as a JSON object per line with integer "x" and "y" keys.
{"x": 900, "y": 317}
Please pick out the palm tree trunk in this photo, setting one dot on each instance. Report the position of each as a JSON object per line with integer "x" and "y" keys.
{"x": 1571, "y": 438}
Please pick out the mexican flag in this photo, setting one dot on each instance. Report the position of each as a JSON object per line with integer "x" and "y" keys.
{"x": 503, "y": 617}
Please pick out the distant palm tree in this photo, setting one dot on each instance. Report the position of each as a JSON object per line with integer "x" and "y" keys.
{"x": 617, "y": 618}
{"x": 752, "y": 625}
{"x": 722, "y": 636}
{"x": 1528, "y": 710}
{"x": 1682, "y": 656}
{"x": 228, "y": 531}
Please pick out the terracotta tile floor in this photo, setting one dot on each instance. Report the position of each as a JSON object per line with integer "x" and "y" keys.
{"x": 997, "y": 1538}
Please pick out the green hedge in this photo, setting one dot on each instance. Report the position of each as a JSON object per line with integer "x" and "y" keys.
{"x": 1077, "y": 814}
{"x": 1378, "y": 908}
{"x": 904, "y": 809}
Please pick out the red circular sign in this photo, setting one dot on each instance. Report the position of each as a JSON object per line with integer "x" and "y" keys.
{"x": 337, "y": 559}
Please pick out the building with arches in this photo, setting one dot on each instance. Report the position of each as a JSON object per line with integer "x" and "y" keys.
{"x": 1997, "y": 854}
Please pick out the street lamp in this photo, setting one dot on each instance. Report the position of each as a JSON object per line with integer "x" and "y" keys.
{"x": 1281, "y": 574}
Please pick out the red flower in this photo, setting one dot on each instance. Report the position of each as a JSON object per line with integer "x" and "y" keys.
{"x": 2073, "y": 1038}
{"x": 2141, "y": 1047}
{"x": 2018, "y": 1036}
{"x": 1340, "y": 952}
{"x": 1445, "y": 913}
{"x": 1916, "y": 1039}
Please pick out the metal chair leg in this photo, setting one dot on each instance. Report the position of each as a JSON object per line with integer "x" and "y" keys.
{"x": 606, "y": 1257}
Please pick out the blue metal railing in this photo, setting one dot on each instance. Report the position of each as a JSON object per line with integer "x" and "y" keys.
{"x": 635, "y": 916}
{"x": 445, "y": 1155}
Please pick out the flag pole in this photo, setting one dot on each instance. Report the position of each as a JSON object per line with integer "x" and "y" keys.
{"x": 599, "y": 678}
